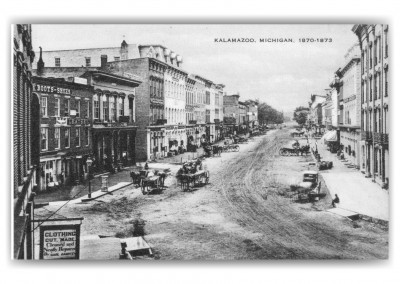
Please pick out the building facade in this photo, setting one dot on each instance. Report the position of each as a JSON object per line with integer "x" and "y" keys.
{"x": 350, "y": 106}
{"x": 65, "y": 130}
{"x": 373, "y": 41}
{"x": 26, "y": 132}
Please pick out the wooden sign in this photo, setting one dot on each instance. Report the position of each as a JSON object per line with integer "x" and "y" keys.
{"x": 59, "y": 242}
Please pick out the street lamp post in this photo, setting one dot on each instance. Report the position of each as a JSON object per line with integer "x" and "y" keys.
{"x": 89, "y": 163}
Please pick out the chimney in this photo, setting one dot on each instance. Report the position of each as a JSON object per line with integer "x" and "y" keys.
{"x": 103, "y": 61}
{"x": 40, "y": 64}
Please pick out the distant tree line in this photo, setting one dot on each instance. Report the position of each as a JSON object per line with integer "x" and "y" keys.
{"x": 269, "y": 115}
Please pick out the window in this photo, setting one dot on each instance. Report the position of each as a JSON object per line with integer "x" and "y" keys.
{"x": 120, "y": 107}
{"x": 66, "y": 137}
{"x": 44, "y": 138}
{"x": 66, "y": 107}
{"x": 386, "y": 44}
{"x": 362, "y": 62}
{"x": 77, "y": 137}
{"x": 375, "y": 52}
{"x": 44, "y": 107}
{"x": 386, "y": 83}
{"x": 362, "y": 92}
{"x": 57, "y": 137}
{"x": 87, "y": 61}
{"x": 370, "y": 90}
{"x": 105, "y": 109}
{"x": 207, "y": 116}
{"x": 87, "y": 136}
{"x": 57, "y": 61}
{"x": 78, "y": 108}
{"x": 96, "y": 107}
{"x": 112, "y": 108}
{"x": 116, "y": 58}
{"x": 216, "y": 99}
{"x": 87, "y": 109}
{"x": 370, "y": 57}
{"x": 57, "y": 107}
{"x": 375, "y": 87}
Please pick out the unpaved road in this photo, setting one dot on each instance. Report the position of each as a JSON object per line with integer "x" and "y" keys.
{"x": 241, "y": 214}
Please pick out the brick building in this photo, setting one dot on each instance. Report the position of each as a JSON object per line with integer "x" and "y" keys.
{"x": 373, "y": 41}
{"x": 113, "y": 112}
{"x": 65, "y": 130}
{"x": 25, "y": 140}
{"x": 231, "y": 113}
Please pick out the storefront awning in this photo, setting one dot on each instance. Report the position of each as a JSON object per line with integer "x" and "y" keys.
{"x": 330, "y": 136}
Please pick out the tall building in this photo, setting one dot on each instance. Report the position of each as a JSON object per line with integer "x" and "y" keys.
{"x": 350, "y": 105}
{"x": 26, "y": 150}
{"x": 65, "y": 130}
{"x": 113, "y": 112}
{"x": 373, "y": 41}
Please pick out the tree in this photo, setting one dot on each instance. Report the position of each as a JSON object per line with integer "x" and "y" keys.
{"x": 300, "y": 114}
{"x": 268, "y": 115}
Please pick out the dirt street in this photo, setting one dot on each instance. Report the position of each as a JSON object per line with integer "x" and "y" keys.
{"x": 242, "y": 214}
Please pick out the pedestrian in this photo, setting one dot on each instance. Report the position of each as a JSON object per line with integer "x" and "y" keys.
{"x": 335, "y": 200}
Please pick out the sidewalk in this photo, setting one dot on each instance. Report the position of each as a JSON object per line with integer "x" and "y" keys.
{"x": 356, "y": 193}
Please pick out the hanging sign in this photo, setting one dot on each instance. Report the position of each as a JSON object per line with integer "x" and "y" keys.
{"x": 59, "y": 241}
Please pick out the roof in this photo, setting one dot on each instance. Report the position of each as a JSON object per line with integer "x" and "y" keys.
{"x": 110, "y": 75}
{"x": 310, "y": 172}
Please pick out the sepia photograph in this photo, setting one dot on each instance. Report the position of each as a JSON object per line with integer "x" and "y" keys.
{"x": 158, "y": 142}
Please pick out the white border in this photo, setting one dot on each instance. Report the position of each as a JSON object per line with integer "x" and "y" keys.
{"x": 175, "y": 11}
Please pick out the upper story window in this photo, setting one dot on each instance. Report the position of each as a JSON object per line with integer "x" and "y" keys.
{"x": 77, "y": 137}
{"x": 66, "y": 137}
{"x": 43, "y": 107}
{"x": 112, "y": 109}
{"x": 87, "y": 61}
{"x": 386, "y": 44}
{"x": 66, "y": 107}
{"x": 96, "y": 105}
{"x": 57, "y": 107}
{"x": 57, "y": 137}
{"x": 57, "y": 61}
{"x": 120, "y": 107}
{"x": 87, "y": 109}
{"x": 117, "y": 58}
{"x": 44, "y": 138}
{"x": 78, "y": 108}
{"x": 105, "y": 108}
{"x": 87, "y": 136}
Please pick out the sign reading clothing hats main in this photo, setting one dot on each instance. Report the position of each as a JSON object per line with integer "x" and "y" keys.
{"x": 59, "y": 241}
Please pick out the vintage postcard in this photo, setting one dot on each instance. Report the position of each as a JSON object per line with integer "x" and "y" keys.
{"x": 200, "y": 142}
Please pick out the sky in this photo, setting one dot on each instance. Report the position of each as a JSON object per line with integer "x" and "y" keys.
{"x": 284, "y": 75}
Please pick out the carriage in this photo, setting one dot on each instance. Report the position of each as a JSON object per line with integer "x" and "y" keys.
{"x": 231, "y": 148}
{"x": 213, "y": 150}
{"x": 191, "y": 175}
{"x": 240, "y": 140}
{"x": 150, "y": 181}
{"x": 199, "y": 178}
{"x": 296, "y": 151}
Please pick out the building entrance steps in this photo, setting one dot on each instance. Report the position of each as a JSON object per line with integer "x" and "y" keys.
{"x": 356, "y": 193}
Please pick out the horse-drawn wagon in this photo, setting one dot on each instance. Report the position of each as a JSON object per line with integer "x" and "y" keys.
{"x": 150, "y": 181}
{"x": 191, "y": 175}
